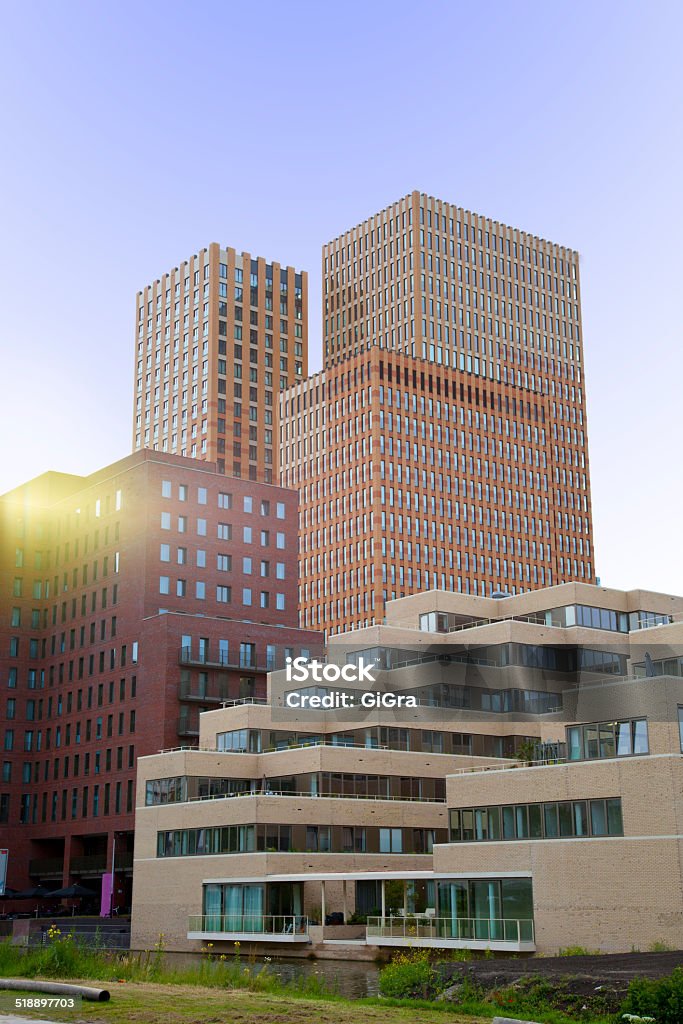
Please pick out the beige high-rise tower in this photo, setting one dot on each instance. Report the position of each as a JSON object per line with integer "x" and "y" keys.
{"x": 217, "y": 338}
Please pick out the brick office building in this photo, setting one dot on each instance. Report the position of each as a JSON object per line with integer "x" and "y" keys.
{"x": 444, "y": 445}
{"x": 132, "y": 600}
{"x": 216, "y": 339}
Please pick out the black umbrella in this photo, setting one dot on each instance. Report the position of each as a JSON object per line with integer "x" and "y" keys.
{"x": 73, "y": 892}
{"x": 38, "y": 892}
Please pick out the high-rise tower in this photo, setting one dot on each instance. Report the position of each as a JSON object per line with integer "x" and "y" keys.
{"x": 444, "y": 445}
{"x": 217, "y": 338}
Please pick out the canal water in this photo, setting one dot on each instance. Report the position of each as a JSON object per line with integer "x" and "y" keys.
{"x": 354, "y": 979}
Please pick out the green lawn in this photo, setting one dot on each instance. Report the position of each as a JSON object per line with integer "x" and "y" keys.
{"x": 149, "y": 1003}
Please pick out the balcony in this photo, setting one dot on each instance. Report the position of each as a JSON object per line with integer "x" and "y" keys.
{"x": 123, "y": 861}
{"x": 501, "y": 934}
{"x": 46, "y": 867}
{"x": 188, "y": 727}
{"x": 253, "y": 928}
{"x": 95, "y": 864}
{"x": 205, "y": 659}
{"x": 210, "y": 694}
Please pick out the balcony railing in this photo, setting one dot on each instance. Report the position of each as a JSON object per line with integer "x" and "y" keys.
{"x": 94, "y": 864}
{"x": 52, "y": 867}
{"x": 208, "y": 695}
{"x": 123, "y": 861}
{"x": 206, "y": 659}
{"x": 463, "y": 933}
{"x": 187, "y": 727}
{"x": 254, "y": 927}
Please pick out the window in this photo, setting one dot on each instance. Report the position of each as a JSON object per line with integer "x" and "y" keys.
{"x": 246, "y": 566}
{"x": 201, "y": 527}
{"x": 391, "y": 840}
{"x": 246, "y": 596}
{"x": 265, "y": 598}
{"x": 181, "y": 588}
{"x": 223, "y": 595}
{"x": 248, "y": 504}
{"x": 597, "y": 740}
{"x": 224, "y": 563}
{"x": 280, "y": 570}
{"x": 224, "y": 500}
{"x": 182, "y": 492}
{"x": 182, "y": 524}
{"x": 280, "y": 602}
{"x": 200, "y": 590}
{"x": 164, "y": 584}
{"x": 280, "y": 540}
{"x": 165, "y": 553}
{"x": 165, "y": 520}
{"x": 201, "y": 495}
{"x": 246, "y": 534}
{"x": 280, "y": 510}
{"x": 224, "y": 531}
{"x": 166, "y": 488}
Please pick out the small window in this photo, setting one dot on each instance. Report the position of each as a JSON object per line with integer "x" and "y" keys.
{"x": 166, "y": 489}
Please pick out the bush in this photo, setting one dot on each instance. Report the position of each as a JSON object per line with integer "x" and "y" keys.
{"x": 661, "y": 998}
{"x": 410, "y": 976}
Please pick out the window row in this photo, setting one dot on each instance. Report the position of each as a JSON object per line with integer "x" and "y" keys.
{"x": 274, "y": 838}
{"x": 567, "y": 819}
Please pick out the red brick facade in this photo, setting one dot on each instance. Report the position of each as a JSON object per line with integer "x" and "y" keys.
{"x": 131, "y": 600}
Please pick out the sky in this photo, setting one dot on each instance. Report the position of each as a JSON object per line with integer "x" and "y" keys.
{"x": 133, "y": 134}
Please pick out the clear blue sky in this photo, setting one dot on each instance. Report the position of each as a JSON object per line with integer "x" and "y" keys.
{"x": 135, "y": 133}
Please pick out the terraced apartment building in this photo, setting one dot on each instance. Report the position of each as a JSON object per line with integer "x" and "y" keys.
{"x": 444, "y": 444}
{"x": 508, "y": 807}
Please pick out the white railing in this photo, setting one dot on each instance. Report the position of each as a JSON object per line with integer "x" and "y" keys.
{"x": 251, "y": 924}
{"x": 299, "y": 795}
{"x": 473, "y": 929}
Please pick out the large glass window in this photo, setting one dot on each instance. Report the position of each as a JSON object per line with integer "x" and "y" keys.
{"x": 597, "y": 740}
{"x": 569, "y": 819}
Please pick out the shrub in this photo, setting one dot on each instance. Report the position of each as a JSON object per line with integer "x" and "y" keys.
{"x": 661, "y": 998}
{"x": 410, "y": 976}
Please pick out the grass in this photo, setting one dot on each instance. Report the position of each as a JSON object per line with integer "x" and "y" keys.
{"x": 153, "y": 1003}
{"x": 233, "y": 989}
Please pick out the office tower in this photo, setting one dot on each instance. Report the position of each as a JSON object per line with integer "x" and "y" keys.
{"x": 217, "y": 338}
{"x": 132, "y": 599}
{"x": 444, "y": 444}
{"x": 428, "y": 827}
